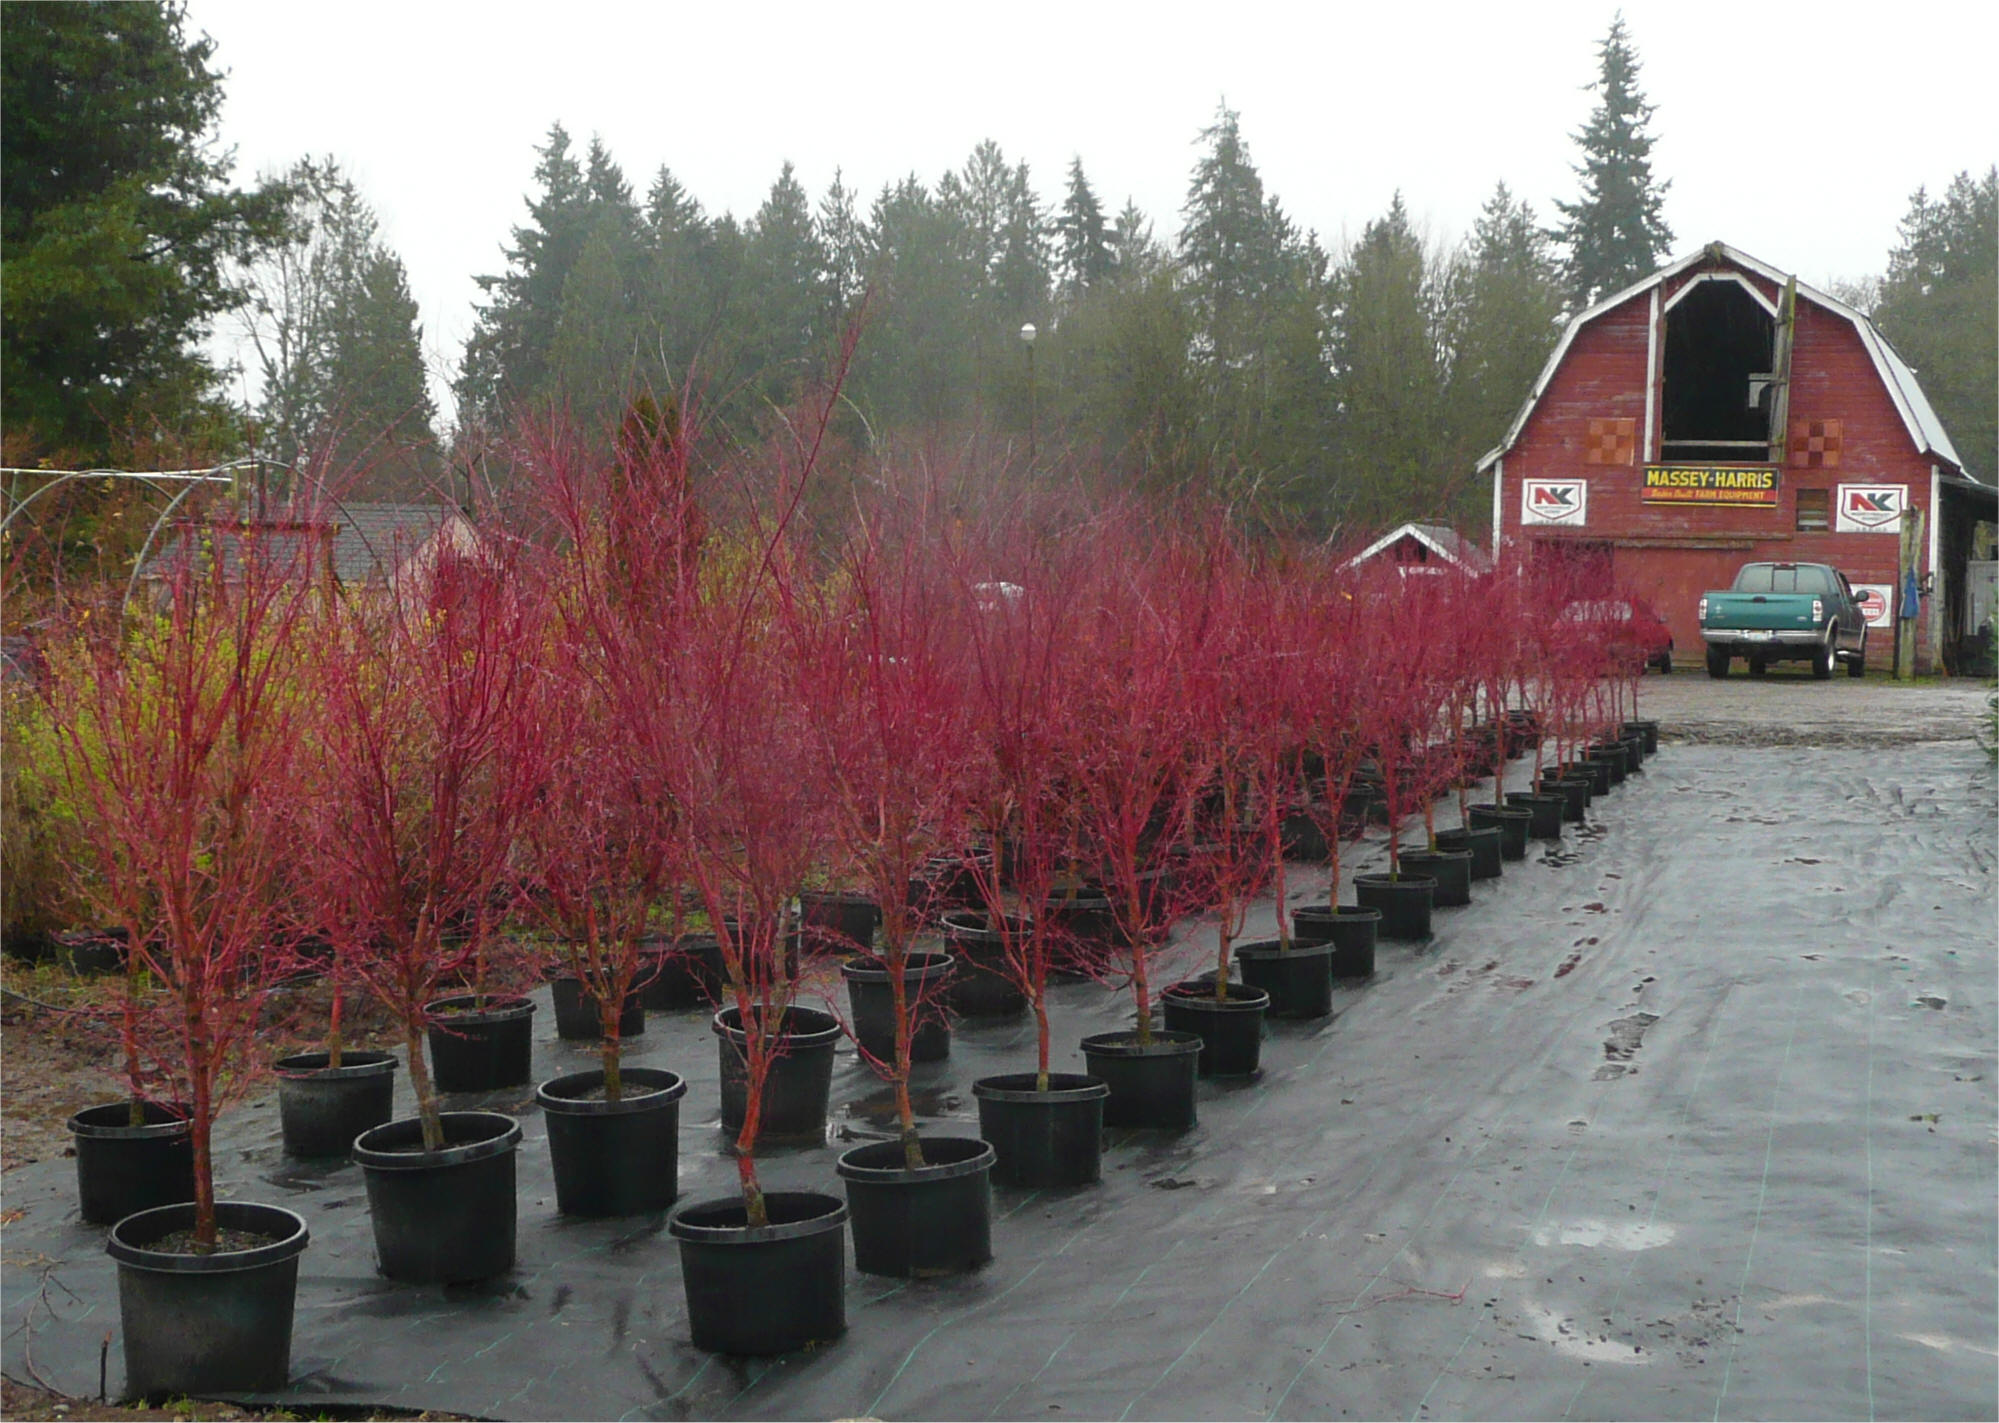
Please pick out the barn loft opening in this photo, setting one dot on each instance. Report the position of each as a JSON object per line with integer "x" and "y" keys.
{"x": 1715, "y": 405}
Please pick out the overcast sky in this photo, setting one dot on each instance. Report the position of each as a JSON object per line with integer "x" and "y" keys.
{"x": 1794, "y": 131}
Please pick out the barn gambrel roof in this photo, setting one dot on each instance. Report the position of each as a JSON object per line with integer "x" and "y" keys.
{"x": 1925, "y": 430}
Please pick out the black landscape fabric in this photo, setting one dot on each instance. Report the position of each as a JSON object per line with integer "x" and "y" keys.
{"x": 1691, "y": 1116}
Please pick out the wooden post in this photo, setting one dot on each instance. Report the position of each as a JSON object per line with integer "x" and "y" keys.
{"x": 1910, "y": 557}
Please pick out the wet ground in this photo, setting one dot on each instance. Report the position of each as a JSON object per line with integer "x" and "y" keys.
{"x": 1788, "y": 707}
{"x": 1693, "y": 1117}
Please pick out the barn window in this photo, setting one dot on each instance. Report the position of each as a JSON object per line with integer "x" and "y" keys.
{"x": 1715, "y": 404}
{"x": 1814, "y": 511}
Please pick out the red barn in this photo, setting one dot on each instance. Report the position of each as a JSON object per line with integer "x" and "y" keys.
{"x": 1720, "y": 412}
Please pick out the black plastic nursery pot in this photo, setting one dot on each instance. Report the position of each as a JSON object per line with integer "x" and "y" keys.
{"x": 1084, "y": 926}
{"x": 578, "y": 1020}
{"x": 1303, "y": 840}
{"x": 871, "y": 994}
{"x": 447, "y": 1216}
{"x": 1405, "y": 901}
{"x": 1230, "y": 1029}
{"x": 207, "y": 1324}
{"x": 1576, "y": 793}
{"x": 1043, "y": 1140}
{"x": 1483, "y": 842}
{"x": 614, "y": 1158}
{"x": 1615, "y": 762}
{"x": 1546, "y": 810}
{"x": 838, "y": 921}
{"x": 1513, "y": 824}
{"x": 1351, "y": 929}
{"x": 122, "y": 1169}
{"x": 922, "y": 1221}
{"x": 1593, "y": 770}
{"x": 682, "y": 973}
{"x": 1649, "y": 730}
{"x": 1633, "y": 743}
{"x": 1298, "y": 977}
{"x": 321, "y": 1109}
{"x": 769, "y": 1289}
{"x": 478, "y": 1046}
{"x": 980, "y": 987}
{"x": 1451, "y": 869}
{"x": 800, "y": 1081}
{"x": 1151, "y": 1084}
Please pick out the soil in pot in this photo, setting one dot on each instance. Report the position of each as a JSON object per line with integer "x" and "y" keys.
{"x": 210, "y": 1324}
{"x": 577, "y": 1019}
{"x": 1546, "y": 810}
{"x": 1351, "y": 929}
{"x": 1404, "y": 900}
{"x": 800, "y": 1081}
{"x": 614, "y": 1158}
{"x": 322, "y": 1109}
{"x": 1230, "y": 1029}
{"x": 920, "y": 1222}
{"x": 122, "y": 1169}
{"x": 1451, "y": 869}
{"x": 682, "y": 973}
{"x": 980, "y": 987}
{"x": 477, "y": 1046}
{"x": 837, "y": 922}
{"x": 1151, "y": 1085}
{"x": 1298, "y": 978}
{"x": 1483, "y": 844}
{"x": 1049, "y": 1140}
{"x": 871, "y": 994}
{"x": 446, "y": 1216}
{"x": 1513, "y": 824}
{"x": 761, "y": 1290}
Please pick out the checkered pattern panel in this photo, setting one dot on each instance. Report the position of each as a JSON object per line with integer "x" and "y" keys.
{"x": 1611, "y": 442}
{"x": 1814, "y": 444}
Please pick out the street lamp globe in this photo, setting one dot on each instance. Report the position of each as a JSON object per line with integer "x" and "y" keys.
{"x": 1028, "y": 333}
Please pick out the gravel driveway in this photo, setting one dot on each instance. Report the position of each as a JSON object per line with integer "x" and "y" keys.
{"x": 1789, "y": 708}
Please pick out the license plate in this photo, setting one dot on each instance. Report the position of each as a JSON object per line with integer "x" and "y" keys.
{"x": 1757, "y": 635}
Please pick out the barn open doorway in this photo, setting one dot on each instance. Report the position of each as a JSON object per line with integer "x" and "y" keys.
{"x": 1715, "y": 401}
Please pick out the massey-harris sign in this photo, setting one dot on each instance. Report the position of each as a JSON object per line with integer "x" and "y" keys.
{"x": 1709, "y": 484}
{"x": 1869, "y": 508}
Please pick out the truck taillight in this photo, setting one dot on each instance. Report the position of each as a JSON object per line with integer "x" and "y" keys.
{"x": 1703, "y": 611}
{"x": 1818, "y": 610}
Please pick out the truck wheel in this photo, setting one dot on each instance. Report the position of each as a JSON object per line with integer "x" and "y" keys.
{"x": 1666, "y": 663}
{"x": 1856, "y": 665}
{"x": 1717, "y": 662}
{"x": 1822, "y": 658}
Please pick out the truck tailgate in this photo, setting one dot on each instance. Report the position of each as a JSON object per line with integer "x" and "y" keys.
{"x": 1771, "y": 612}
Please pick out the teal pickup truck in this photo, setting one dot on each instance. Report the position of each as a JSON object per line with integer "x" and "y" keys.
{"x": 1785, "y": 612}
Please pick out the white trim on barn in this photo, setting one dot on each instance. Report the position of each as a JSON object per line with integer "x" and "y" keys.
{"x": 1447, "y": 544}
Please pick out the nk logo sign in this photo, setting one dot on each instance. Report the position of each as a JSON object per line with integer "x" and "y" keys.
{"x": 1554, "y": 501}
{"x": 1870, "y": 508}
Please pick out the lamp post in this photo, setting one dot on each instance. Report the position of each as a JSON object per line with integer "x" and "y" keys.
{"x": 1027, "y": 335}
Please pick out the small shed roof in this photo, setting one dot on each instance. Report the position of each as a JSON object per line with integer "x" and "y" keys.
{"x": 1442, "y": 541}
{"x": 368, "y": 542}
{"x": 1924, "y": 428}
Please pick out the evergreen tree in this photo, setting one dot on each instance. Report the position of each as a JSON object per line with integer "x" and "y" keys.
{"x": 118, "y": 229}
{"x": 785, "y": 295}
{"x": 915, "y": 366}
{"x": 1388, "y": 380}
{"x": 1939, "y": 304}
{"x": 507, "y": 356}
{"x": 1234, "y": 243}
{"x": 1614, "y": 233}
{"x": 682, "y": 302}
{"x": 1083, "y": 238}
{"x": 1135, "y": 252}
{"x": 845, "y": 238}
{"x": 1502, "y": 312}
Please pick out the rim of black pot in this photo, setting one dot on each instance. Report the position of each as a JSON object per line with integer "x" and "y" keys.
{"x": 1440, "y": 853}
{"x": 659, "y": 1088}
{"x": 1335, "y": 911}
{"x": 168, "y": 1125}
{"x": 501, "y": 1134}
{"x": 500, "y": 1008}
{"x": 1398, "y": 880}
{"x": 817, "y": 1213}
{"x": 354, "y": 1063}
{"x": 804, "y": 1027}
{"x": 1166, "y": 1042}
{"x": 972, "y": 1157}
{"x": 1283, "y": 948}
{"x": 837, "y": 896}
{"x": 1506, "y": 812}
{"x": 1200, "y": 996}
{"x": 915, "y": 965}
{"x": 1062, "y": 1086}
{"x": 666, "y": 946}
{"x": 976, "y": 923}
{"x": 131, "y": 1239}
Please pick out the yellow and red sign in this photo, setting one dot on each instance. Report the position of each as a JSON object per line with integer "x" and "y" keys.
{"x": 1710, "y": 484}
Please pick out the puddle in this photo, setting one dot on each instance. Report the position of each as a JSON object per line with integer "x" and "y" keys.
{"x": 1626, "y": 1034}
{"x": 1594, "y": 1234}
{"x": 1561, "y": 1331}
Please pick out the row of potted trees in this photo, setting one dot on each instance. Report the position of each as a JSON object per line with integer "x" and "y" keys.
{"x": 606, "y": 725}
